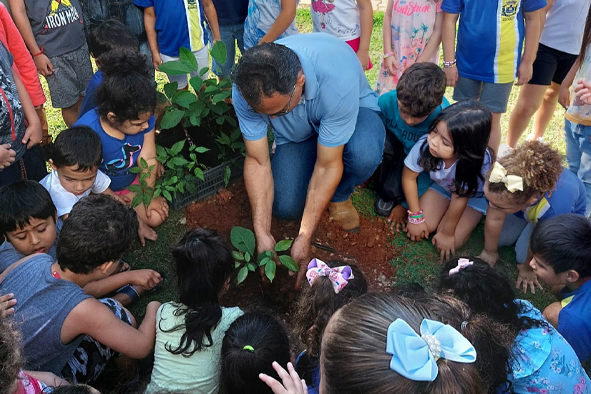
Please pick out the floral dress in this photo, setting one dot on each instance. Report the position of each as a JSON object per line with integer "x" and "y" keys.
{"x": 412, "y": 25}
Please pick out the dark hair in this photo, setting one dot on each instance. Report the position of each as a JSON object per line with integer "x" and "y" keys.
{"x": 126, "y": 89}
{"x": 109, "y": 35}
{"x": 354, "y": 358}
{"x": 75, "y": 389}
{"x": 421, "y": 88}
{"x": 564, "y": 243}
{"x": 240, "y": 368}
{"x": 22, "y": 201}
{"x": 468, "y": 123}
{"x": 317, "y": 303}
{"x": 203, "y": 265}
{"x": 586, "y": 38}
{"x": 77, "y": 146}
{"x": 264, "y": 70}
{"x": 537, "y": 163}
{"x": 98, "y": 230}
{"x": 10, "y": 357}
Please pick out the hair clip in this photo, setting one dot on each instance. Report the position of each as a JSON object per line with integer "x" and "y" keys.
{"x": 339, "y": 276}
{"x": 499, "y": 174}
{"x": 415, "y": 356}
{"x": 462, "y": 263}
{"x": 249, "y": 348}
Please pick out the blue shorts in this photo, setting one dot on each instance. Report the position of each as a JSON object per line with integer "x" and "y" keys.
{"x": 479, "y": 204}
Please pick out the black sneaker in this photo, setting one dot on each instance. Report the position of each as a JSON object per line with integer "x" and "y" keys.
{"x": 383, "y": 208}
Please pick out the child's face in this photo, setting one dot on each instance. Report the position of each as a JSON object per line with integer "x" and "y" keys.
{"x": 440, "y": 143}
{"x": 546, "y": 273}
{"x": 76, "y": 182}
{"x": 36, "y": 237}
{"x": 407, "y": 117}
{"x": 500, "y": 202}
{"x": 132, "y": 127}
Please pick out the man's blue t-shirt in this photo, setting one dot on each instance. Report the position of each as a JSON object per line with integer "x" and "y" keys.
{"x": 89, "y": 101}
{"x": 574, "y": 320}
{"x": 332, "y": 96}
{"x": 119, "y": 156}
{"x": 231, "y": 12}
{"x": 490, "y": 37}
{"x": 406, "y": 134}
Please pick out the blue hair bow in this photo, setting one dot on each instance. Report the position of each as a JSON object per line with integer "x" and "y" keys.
{"x": 415, "y": 356}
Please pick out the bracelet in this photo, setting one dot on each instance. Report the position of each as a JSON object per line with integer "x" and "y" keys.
{"x": 416, "y": 220}
{"x": 416, "y": 217}
{"x": 389, "y": 54}
{"x": 40, "y": 51}
{"x": 449, "y": 64}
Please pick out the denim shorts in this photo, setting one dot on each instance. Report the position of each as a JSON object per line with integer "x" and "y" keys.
{"x": 494, "y": 95}
{"x": 479, "y": 204}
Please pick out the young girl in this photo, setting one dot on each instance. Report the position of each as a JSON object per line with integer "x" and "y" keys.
{"x": 349, "y": 20}
{"x": 577, "y": 123}
{"x": 124, "y": 120}
{"x": 189, "y": 333}
{"x": 412, "y": 33}
{"x": 540, "y": 356}
{"x": 455, "y": 155}
{"x": 316, "y": 304}
{"x": 269, "y": 20}
{"x": 525, "y": 186}
{"x": 177, "y": 23}
{"x": 251, "y": 345}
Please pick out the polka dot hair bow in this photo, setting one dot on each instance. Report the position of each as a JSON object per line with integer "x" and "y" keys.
{"x": 339, "y": 276}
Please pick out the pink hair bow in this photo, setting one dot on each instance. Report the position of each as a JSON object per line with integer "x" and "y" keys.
{"x": 462, "y": 263}
{"x": 339, "y": 276}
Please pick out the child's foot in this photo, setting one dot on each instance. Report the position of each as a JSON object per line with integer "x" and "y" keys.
{"x": 397, "y": 218}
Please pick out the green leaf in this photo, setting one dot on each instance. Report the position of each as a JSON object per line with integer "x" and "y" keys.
{"x": 219, "y": 97}
{"x": 135, "y": 170}
{"x": 283, "y": 245}
{"x": 230, "y": 120}
{"x": 195, "y": 118}
{"x": 170, "y": 89}
{"x": 199, "y": 173}
{"x": 174, "y": 67}
{"x": 179, "y": 161}
{"x": 187, "y": 58}
{"x": 143, "y": 163}
{"x": 243, "y": 239}
{"x": 220, "y": 120}
{"x": 260, "y": 258}
{"x": 172, "y": 118}
{"x": 167, "y": 195}
{"x": 251, "y": 267}
{"x": 238, "y": 256}
{"x": 227, "y": 175}
{"x": 137, "y": 200}
{"x": 219, "y": 52}
{"x": 203, "y": 71}
{"x": 201, "y": 149}
{"x": 177, "y": 147}
{"x": 196, "y": 83}
{"x": 289, "y": 263}
{"x": 242, "y": 274}
{"x": 236, "y": 264}
{"x": 147, "y": 199}
{"x": 157, "y": 192}
{"x": 134, "y": 188}
{"x": 184, "y": 98}
{"x": 268, "y": 253}
{"x": 270, "y": 268}
{"x": 247, "y": 256}
{"x": 264, "y": 261}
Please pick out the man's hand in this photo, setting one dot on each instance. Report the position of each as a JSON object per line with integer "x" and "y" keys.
{"x": 300, "y": 252}
{"x": 292, "y": 384}
{"x": 44, "y": 66}
{"x": 7, "y": 302}
{"x": 7, "y": 155}
{"x": 452, "y": 75}
{"x": 524, "y": 73}
{"x": 527, "y": 278}
{"x": 490, "y": 258}
{"x": 265, "y": 242}
{"x": 445, "y": 244}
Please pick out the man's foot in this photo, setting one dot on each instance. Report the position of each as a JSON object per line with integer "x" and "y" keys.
{"x": 383, "y": 208}
{"x": 346, "y": 214}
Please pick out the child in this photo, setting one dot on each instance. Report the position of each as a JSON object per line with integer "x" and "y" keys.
{"x": 174, "y": 24}
{"x": 577, "y": 123}
{"x": 80, "y": 334}
{"x": 540, "y": 355}
{"x": 488, "y": 56}
{"x": 231, "y": 25}
{"x": 124, "y": 121}
{"x": 526, "y": 186}
{"x": 269, "y": 20}
{"x": 75, "y": 157}
{"x": 381, "y": 343}
{"x": 105, "y": 37}
{"x": 560, "y": 44}
{"x": 316, "y": 304}
{"x": 561, "y": 247}
{"x": 349, "y": 20}
{"x": 252, "y": 343}
{"x": 456, "y": 156}
{"x": 54, "y": 34}
{"x": 189, "y": 333}
{"x": 407, "y": 113}
{"x": 412, "y": 34}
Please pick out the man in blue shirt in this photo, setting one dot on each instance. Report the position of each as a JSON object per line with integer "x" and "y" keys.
{"x": 327, "y": 128}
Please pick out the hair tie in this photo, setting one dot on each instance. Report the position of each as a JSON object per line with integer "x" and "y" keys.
{"x": 499, "y": 174}
{"x": 415, "y": 356}
{"x": 464, "y": 325}
{"x": 249, "y": 348}
{"x": 339, "y": 276}
{"x": 462, "y": 263}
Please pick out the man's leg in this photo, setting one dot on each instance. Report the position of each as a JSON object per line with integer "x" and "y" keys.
{"x": 292, "y": 166}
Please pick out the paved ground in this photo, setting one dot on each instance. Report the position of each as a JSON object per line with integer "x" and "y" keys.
{"x": 377, "y": 4}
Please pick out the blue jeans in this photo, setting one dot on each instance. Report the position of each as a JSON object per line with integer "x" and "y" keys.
{"x": 578, "y": 155}
{"x": 230, "y": 36}
{"x": 293, "y": 164}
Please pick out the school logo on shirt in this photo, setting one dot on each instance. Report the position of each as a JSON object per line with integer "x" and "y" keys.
{"x": 510, "y": 8}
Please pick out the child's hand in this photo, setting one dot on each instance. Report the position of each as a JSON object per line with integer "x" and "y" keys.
{"x": 527, "y": 278}
{"x": 363, "y": 56}
{"x": 398, "y": 218}
{"x": 490, "y": 258}
{"x": 417, "y": 232}
{"x": 145, "y": 232}
{"x": 452, "y": 75}
{"x": 145, "y": 278}
{"x": 33, "y": 134}
{"x": 7, "y": 155}
{"x": 390, "y": 64}
{"x": 7, "y": 302}
{"x": 292, "y": 384}
{"x": 524, "y": 73}
{"x": 583, "y": 91}
{"x": 44, "y": 66}
{"x": 564, "y": 96}
{"x": 445, "y": 244}
{"x": 158, "y": 205}
{"x": 156, "y": 60}
{"x": 122, "y": 199}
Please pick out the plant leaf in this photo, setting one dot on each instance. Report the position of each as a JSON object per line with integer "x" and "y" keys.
{"x": 172, "y": 118}
{"x": 199, "y": 173}
{"x": 134, "y": 188}
{"x": 243, "y": 239}
{"x": 184, "y": 98}
{"x": 251, "y": 267}
{"x": 264, "y": 261}
{"x": 270, "y": 269}
{"x": 177, "y": 147}
{"x": 137, "y": 200}
{"x": 219, "y": 52}
{"x": 167, "y": 195}
{"x": 201, "y": 149}
{"x": 196, "y": 83}
{"x": 247, "y": 256}
{"x": 174, "y": 67}
{"x": 236, "y": 264}
{"x": 238, "y": 256}
{"x": 187, "y": 58}
{"x": 227, "y": 175}
{"x": 170, "y": 89}
{"x": 283, "y": 245}
{"x": 219, "y": 97}
{"x": 242, "y": 274}
{"x": 289, "y": 263}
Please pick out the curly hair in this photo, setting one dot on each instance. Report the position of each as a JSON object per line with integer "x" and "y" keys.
{"x": 421, "y": 88}
{"x": 537, "y": 163}
{"x": 10, "y": 357}
{"x": 317, "y": 303}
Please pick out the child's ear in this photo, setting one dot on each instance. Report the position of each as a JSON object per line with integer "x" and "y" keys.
{"x": 533, "y": 199}
{"x": 572, "y": 276}
{"x": 111, "y": 117}
{"x": 106, "y": 267}
{"x": 52, "y": 165}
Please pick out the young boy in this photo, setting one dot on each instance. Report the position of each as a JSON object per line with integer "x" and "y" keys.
{"x": 488, "y": 55}
{"x": 407, "y": 113}
{"x": 561, "y": 248}
{"x": 54, "y": 33}
{"x": 79, "y": 333}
